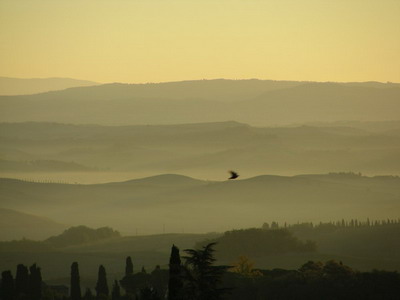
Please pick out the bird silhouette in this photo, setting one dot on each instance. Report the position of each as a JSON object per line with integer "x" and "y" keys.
{"x": 234, "y": 175}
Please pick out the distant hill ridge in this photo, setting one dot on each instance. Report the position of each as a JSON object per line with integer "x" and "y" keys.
{"x": 215, "y": 89}
{"x": 162, "y": 179}
{"x": 257, "y": 102}
{"x": 23, "y": 86}
{"x": 54, "y": 130}
{"x": 17, "y": 225}
{"x": 41, "y": 166}
{"x": 199, "y": 149}
{"x": 224, "y": 89}
{"x": 166, "y": 179}
{"x": 198, "y": 205}
{"x": 81, "y": 235}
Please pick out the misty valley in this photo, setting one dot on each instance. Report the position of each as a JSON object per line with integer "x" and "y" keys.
{"x": 198, "y": 190}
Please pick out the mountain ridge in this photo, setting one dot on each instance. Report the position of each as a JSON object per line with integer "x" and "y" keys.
{"x": 267, "y": 103}
{"x": 29, "y": 86}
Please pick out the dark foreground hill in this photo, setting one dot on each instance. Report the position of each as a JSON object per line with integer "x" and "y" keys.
{"x": 268, "y": 249}
{"x": 175, "y": 203}
{"x": 147, "y": 251}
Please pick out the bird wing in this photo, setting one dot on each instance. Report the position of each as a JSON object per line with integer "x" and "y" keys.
{"x": 233, "y": 175}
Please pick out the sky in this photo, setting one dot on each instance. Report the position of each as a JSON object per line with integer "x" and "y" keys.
{"x": 140, "y": 41}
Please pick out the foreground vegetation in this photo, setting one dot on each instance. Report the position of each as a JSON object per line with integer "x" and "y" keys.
{"x": 198, "y": 278}
{"x": 365, "y": 245}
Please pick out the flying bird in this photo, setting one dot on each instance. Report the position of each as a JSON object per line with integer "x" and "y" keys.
{"x": 234, "y": 175}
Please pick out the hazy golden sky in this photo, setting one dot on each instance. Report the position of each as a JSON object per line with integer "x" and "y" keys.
{"x": 168, "y": 40}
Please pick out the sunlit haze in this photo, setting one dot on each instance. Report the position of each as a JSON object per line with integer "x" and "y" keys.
{"x": 187, "y": 148}
{"x": 158, "y": 41}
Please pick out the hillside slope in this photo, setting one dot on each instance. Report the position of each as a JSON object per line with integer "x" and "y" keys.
{"x": 250, "y": 101}
{"x": 27, "y": 86}
{"x": 17, "y": 225}
{"x": 173, "y": 203}
{"x": 204, "y": 150}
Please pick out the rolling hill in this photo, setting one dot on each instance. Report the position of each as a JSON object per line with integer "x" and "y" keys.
{"x": 204, "y": 150}
{"x": 41, "y": 166}
{"x": 175, "y": 203}
{"x": 326, "y": 102}
{"x": 17, "y": 225}
{"x": 27, "y": 86}
{"x": 251, "y": 101}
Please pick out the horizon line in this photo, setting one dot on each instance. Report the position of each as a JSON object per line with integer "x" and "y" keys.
{"x": 202, "y": 79}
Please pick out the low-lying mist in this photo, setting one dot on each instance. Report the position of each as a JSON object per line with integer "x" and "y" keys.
{"x": 176, "y": 204}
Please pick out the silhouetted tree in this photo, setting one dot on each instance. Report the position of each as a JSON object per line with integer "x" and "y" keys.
{"x": 7, "y": 288}
{"x": 35, "y": 283}
{"x": 128, "y": 266}
{"x": 175, "y": 280}
{"x": 101, "y": 285}
{"x": 274, "y": 225}
{"x": 75, "y": 282}
{"x": 201, "y": 277}
{"x": 337, "y": 271}
{"x": 116, "y": 292}
{"x": 22, "y": 282}
{"x": 265, "y": 226}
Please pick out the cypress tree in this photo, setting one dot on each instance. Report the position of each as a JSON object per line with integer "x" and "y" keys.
{"x": 75, "y": 282}
{"x": 128, "y": 266}
{"x": 101, "y": 285}
{"x": 175, "y": 281}
{"x": 35, "y": 283}
{"x": 7, "y": 290}
{"x": 116, "y": 292}
{"x": 22, "y": 281}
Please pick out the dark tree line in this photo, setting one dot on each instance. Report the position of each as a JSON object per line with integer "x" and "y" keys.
{"x": 27, "y": 284}
{"x": 315, "y": 281}
{"x": 258, "y": 242}
{"x": 195, "y": 276}
{"x": 353, "y": 223}
{"x": 195, "y": 279}
{"x": 354, "y": 238}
